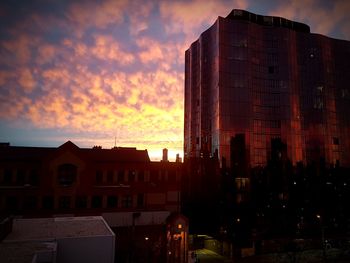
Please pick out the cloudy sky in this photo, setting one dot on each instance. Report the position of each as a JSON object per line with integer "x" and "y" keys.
{"x": 98, "y": 71}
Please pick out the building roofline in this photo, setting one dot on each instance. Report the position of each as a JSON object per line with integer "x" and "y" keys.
{"x": 273, "y": 21}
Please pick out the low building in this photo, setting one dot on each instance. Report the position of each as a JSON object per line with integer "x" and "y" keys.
{"x": 60, "y": 239}
{"x": 133, "y": 194}
{"x": 78, "y": 181}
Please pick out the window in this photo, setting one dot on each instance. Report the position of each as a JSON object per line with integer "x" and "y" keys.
{"x": 141, "y": 176}
{"x": 47, "y": 202}
{"x": 110, "y": 177}
{"x": 64, "y": 202}
{"x": 271, "y": 69}
{"x": 120, "y": 176}
{"x": 67, "y": 174}
{"x": 11, "y": 203}
{"x": 172, "y": 176}
{"x": 20, "y": 177}
{"x": 131, "y": 177}
{"x": 127, "y": 201}
{"x": 7, "y": 176}
{"x": 81, "y": 202}
{"x": 154, "y": 175}
{"x": 112, "y": 201}
{"x": 96, "y": 202}
{"x": 335, "y": 140}
{"x": 140, "y": 200}
{"x": 99, "y": 177}
{"x": 33, "y": 177}
{"x": 30, "y": 202}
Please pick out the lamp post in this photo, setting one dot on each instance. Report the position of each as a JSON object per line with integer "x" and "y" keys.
{"x": 322, "y": 235}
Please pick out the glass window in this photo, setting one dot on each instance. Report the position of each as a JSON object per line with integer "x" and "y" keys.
{"x": 20, "y": 176}
{"x": 112, "y": 201}
{"x": 140, "y": 200}
{"x": 81, "y": 202}
{"x": 12, "y": 203}
{"x": 154, "y": 175}
{"x": 141, "y": 176}
{"x": 67, "y": 174}
{"x": 96, "y": 202}
{"x": 110, "y": 177}
{"x": 47, "y": 202}
{"x": 99, "y": 177}
{"x": 64, "y": 202}
{"x": 131, "y": 177}
{"x": 30, "y": 202}
{"x": 127, "y": 201}
{"x": 33, "y": 177}
{"x": 7, "y": 176}
{"x": 335, "y": 140}
{"x": 120, "y": 176}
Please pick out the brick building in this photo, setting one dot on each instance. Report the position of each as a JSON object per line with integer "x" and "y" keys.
{"x": 133, "y": 194}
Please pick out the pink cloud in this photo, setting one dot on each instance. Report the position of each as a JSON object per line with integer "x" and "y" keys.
{"x": 97, "y": 14}
{"x": 19, "y": 49}
{"x": 139, "y": 16}
{"x": 46, "y": 53}
{"x": 164, "y": 54}
{"x": 321, "y": 19}
{"x": 107, "y": 48}
{"x": 189, "y": 16}
{"x": 26, "y": 80}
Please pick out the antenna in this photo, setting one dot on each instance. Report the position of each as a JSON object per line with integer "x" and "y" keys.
{"x": 115, "y": 141}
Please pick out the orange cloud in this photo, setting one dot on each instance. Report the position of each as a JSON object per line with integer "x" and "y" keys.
{"x": 187, "y": 16}
{"x": 26, "y": 80}
{"x": 107, "y": 48}
{"x": 46, "y": 53}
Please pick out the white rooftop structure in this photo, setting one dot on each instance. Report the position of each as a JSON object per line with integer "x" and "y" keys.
{"x": 78, "y": 239}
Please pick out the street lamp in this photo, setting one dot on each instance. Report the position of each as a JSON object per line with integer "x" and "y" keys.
{"x": 322, "y": 234}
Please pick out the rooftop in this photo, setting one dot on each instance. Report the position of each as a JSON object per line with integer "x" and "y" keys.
{"x": 117, "y": 154}
{"x": 24, "y": 252}
{"x": 237, "y": 14}
{"x": 56, "y": 228}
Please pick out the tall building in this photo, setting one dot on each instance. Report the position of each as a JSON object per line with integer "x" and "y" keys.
{"x": 252, "y": 79}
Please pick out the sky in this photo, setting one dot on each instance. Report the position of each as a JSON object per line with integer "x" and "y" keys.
{"x": 111, "y": 72}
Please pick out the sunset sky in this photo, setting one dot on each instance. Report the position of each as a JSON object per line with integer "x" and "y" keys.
{"x": 93, "y": 71}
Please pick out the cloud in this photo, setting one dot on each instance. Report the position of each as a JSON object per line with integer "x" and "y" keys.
{"x": 46, "y": 53}
{"x": 97, "y": 13}
{"x": 107, "y": 48}
{"x": 18, "y": 50}
{"x": 323, "y": 19}
{"x": 190, "y": 16}
{"x": 26, "y": 80}
{"x": 139, "y": 16}
{"x": 95, "y": 70}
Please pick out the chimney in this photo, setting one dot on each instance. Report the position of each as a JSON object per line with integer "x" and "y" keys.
{"x": 178, "y": 158}
{"x": 165, "y": 155}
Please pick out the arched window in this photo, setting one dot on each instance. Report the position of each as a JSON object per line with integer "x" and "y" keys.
{"x": 67, "y": 174}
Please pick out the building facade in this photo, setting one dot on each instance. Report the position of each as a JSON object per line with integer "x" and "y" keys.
{"x": 79, "y": 181}
{"x": 134, "y": 195}
{"x": 252, "y": 79}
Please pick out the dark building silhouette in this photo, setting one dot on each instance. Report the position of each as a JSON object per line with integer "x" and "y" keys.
{"x": 267, "y": 121}
{"x": 255, "y": 78}
{"x": 134, "y": 195}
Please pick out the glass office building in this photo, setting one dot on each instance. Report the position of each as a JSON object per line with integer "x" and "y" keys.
{"x": 251, "y": 79}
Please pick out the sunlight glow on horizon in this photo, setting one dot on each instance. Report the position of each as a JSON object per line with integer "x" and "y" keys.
{"x": 99, "y": 70}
